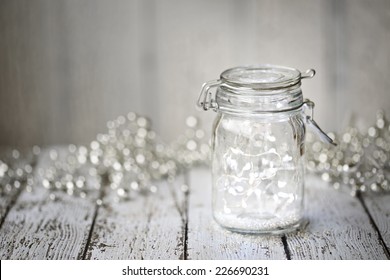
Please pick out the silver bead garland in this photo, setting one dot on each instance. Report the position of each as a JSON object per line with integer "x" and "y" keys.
{"x": 127, "y": 161}
{"x": 130, "y": 158}
{"x": 16, "y": 170}
{"x": 360, "y": 161}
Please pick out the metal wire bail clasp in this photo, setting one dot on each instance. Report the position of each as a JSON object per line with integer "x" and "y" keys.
{"x": 206, "y": 98}
{"x": 309, "y": 120}
{"x": 309, "y": 73}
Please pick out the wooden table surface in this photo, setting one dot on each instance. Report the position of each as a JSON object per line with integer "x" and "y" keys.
{"x": 172, "y": 224}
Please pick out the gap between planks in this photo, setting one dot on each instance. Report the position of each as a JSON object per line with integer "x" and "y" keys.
{"x": 102, "y": 194}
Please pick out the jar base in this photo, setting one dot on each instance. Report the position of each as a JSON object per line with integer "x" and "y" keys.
{"x": 276, "y": 231}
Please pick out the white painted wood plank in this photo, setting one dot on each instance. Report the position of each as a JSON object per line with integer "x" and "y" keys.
{"x": 147, "y": 227}
{"x": 338, "y": 228}
{"x": 379, "y": 207}
{"x": 206, "y": 240}
{"x": 40, "y": 228}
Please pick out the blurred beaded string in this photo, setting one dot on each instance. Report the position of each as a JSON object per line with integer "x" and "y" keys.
{"x": 16, "y": 170}
{"x": 130, "y": 158}
{"x": 361, "y": 161}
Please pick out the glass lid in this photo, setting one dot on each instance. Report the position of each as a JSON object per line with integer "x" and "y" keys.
{"x": 261, "y": 76}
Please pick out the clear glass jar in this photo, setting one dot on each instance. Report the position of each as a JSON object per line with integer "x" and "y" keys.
{"x": 258, "y": 147}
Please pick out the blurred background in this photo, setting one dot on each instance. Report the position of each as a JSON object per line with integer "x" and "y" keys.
{"x": 67, "y": 67}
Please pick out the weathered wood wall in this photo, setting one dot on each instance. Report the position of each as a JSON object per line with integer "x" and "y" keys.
{"x": 66, "y": 67}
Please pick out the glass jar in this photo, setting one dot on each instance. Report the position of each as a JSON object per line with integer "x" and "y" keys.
{"x": 258, "y": 147}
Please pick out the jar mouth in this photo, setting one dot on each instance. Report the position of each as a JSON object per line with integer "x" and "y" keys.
{"x": 239, "y": 102}
{"x": 261, "y": 77}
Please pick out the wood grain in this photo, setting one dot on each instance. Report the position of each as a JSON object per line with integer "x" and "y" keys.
{"x": 206, "y": 240}
{"x": 147, "y": 227}
{"x": 338, "y": 228}
{"x": 379, "y": 207}
{"x": 39, "y": 228}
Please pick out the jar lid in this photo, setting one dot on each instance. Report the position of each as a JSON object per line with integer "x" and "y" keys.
{"x": 255, "y": 89}
{"x": 261, "y": 77}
